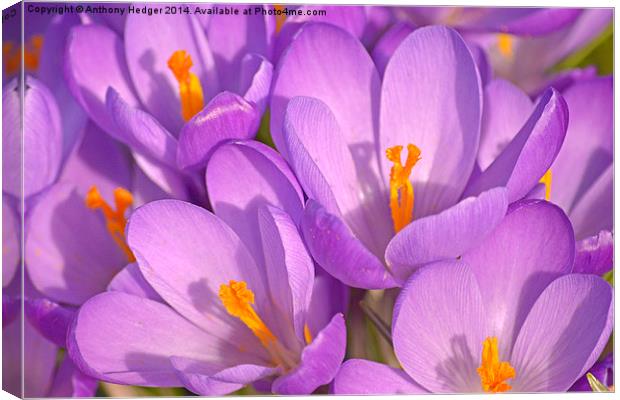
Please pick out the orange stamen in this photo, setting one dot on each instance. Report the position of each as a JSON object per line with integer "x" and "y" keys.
{"x": 493, "y": 372}
{"x": 546, "y": 180}
{"x": 401, "y": 190}
{"x": 279, "y": 18}
{"x": 190, "y": 90}
{"x": 505, "y": 45}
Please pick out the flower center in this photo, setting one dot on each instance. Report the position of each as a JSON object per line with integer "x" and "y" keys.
{"x": 546, "y": 180}
{"x": 279, "y": 18}
{"x": 114, "y": 218}
{"x": 238, "y": 301}
{"x": 492, "y": 371}
{"x": 12, "y": 55}
{"x": 192, "y": 99}
{"x": 401, "y": 190}
{"x": 504, "y": 44}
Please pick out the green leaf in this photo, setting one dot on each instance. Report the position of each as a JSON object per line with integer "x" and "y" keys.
{"x": 609, "y": 277}
{"x": 599, "y": 53}
{"x": 595, "y": 384}
{"x": 264, "y": 135}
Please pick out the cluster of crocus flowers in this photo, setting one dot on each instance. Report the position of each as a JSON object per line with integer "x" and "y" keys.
{"x": 418, "y": 160}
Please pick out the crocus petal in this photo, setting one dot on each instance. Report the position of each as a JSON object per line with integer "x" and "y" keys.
{"x": 332, "y": 244}
{"x": 329, "y": 64}
{"x": 11, "y": 140}
{"x": 351, "y": 19}
{"x": 327, "y": 171}
{"x": 12, "y": 357}
{"x": 140, "y": 131}
{"x": 127, "y": 339}
{"x": 506, "y": 108}
{"x": 525, "y": 257}
{"x": 434, "y": 63}
{"x": 389, "y": 42}
{"x": 564, "y": 327}
{"x": 51, "y": 61}
{"x": 439, "y": 326}
{"x": 206, "y": 380}
{"x": 530, "y": 154}
{"x": 482, "y": 62}
{"x": 71, "y": 255}
{"x": 358, "y": 376}
{"x": 42, "y": 138}
{"x": 530, "y": 22}
{"x": 329, "y": 297}
{"x": 256, "y": 75}
{"x": 587, "y": 149}
{"x": 91, "y": 70}
{"x": 69, "y": 381}
{"x": 11, "y": 248}
{"x": 603, "y": 371}
{"x": 319, "y": 363}
{"x": 242, "y": 176}
{"x": 51, "y": 319}
{"x": 185, "y": 253}
{"x": 594, "y": 210}
{"x": 594, "y": 255}
{"x": 227, "y": 116}
{"x": 150, "y": 40}
{"x": 39, "y": 359}
{"x": 172, "y": 181}
{"x": 446, "y": 235}
{"x": 98, "y": 160}
{"x": 290, "y": 270}
{"x": 130, "y": 280}
{"x": 232, "y": 37}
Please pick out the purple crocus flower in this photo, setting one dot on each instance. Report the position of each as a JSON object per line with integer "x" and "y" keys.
{"x": 168, "y": 80}
{"x": 345, "y": 150}
{"x": 580, "y": 179}
{"x": 223, "y": 312}
{"x": 602, "y": 370}
{"x": 508, "y": 315}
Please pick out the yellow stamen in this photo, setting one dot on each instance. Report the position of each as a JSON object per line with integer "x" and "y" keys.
{"x": 238, "y": 301}
{"x": 12, "y": 58}
{"x": 546, "y": 180}
{"x": 279, "y": 18}
{"x": 401, "y": 190}
{"x": 504, "y": 43}
{"x": 190, "y": 90}
{"x": 307, "y": 334}
{"x": 493, "y": 372}
{"x": 115, "y": 218}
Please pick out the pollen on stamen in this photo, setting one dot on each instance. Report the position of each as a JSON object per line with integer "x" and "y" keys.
{"x": 190, "y": 90}
{"x": 546, "y": 180}
{"x": 114, "y": 218}
{"x": 401, "y": 189}
{"x": 505, "y": 45}
{"x": 493, "y": 372}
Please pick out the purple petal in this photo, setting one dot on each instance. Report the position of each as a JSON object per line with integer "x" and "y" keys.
{"x": 506, "y": 109}
{"x": 329, "y": 297}
{"x": 170, "y": 180}
{"x": 389, "y": 42}
{"x": 12, "y": 357}
{"x": 98, "y": 160}
{"x": 185, "y": 253}
{"x": 227, "y": 116}
{"x": 71, "y": 382}
{"x": 439, "y": 325}
{"x": 358, "y": 376}
{"x": 594, "y": 210}
{"x": 42, "y": 142}
{"x": 51, "y": 61}
{"x": 130, "y": 280}
{"x": 51, "y": 320}
{"x": 232, "y": 37}
{"x": 39, "y": 361}
{"x": 150, "y": 40}
{"x": 256, "y": 77}
{"x": 319, "y": 363}
{"x": 11, "y": 249}
{"x": 603, "y": 371}
{"x": 446, "y": 235}
{"x": 587, "y": 149}
{"x": 594, "y": 255}
{"x": 530, "y": 154}
{"x": 12, "y": 139}
{"x": 127, "y": 339}
{"x": 140, "y": 131}
{"x": 290, "y": 270}
{"x": 525, "y": 256}
{"x": 207, "y": 380}
{"x": 70, "y": 253}
{"x": 332, "y": 244}
{"x": 563, "y": 334}
{"x": 91, "y": 70}
{"x": 329, "y": 64}
{"x": 526, "y": 22}
{"x": 442, "y": 119}
{"x": 326, "y": 169}
{"x": 482, "y": 62}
